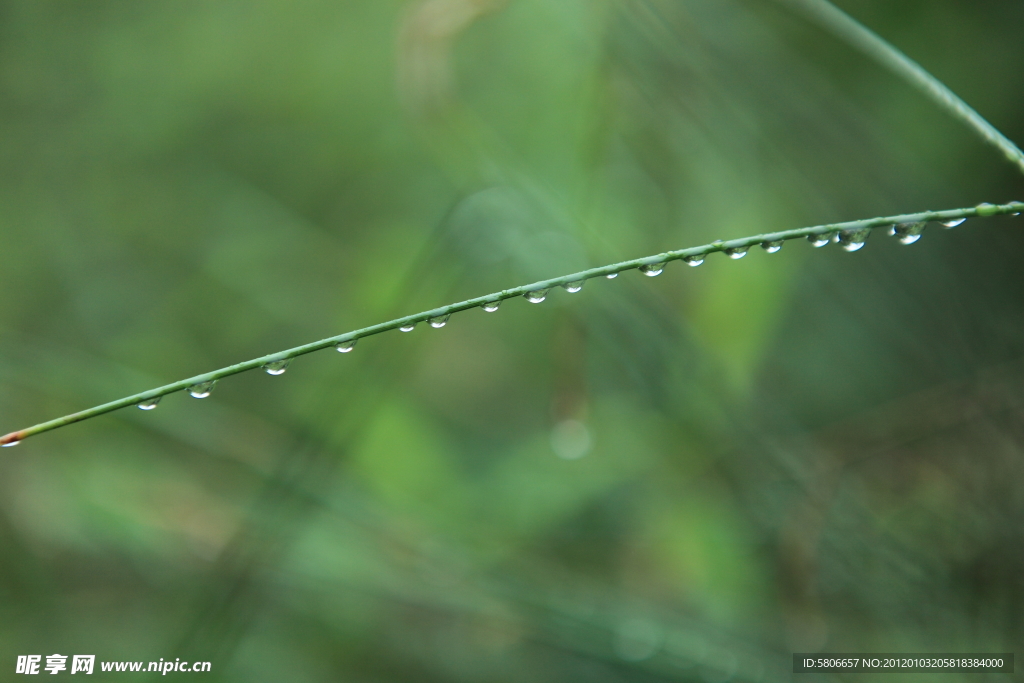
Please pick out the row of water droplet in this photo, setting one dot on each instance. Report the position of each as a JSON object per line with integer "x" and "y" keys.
{"x": 850, "y": 240}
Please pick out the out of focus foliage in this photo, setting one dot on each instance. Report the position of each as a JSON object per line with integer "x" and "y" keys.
{"x": 684, "y": 478}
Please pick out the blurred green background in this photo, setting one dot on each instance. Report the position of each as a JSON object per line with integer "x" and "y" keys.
{"x": 681, "y": 478}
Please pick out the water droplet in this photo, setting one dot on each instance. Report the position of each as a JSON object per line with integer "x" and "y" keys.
{"x": 201, "y": 390}
{"x": 408, "y": 328}
{"x": 437, "y": 322}
{"x": 346, "y": 346}
{"x": 9, "y": 444}
{"x": 737, "y": 253}
{"x": 573, "y": 287}
{"x": 571, "y": 440}
{"x": 952, "y": 223}
{"x": 149, "y": 403}
{"x": 820, "y": 240}
{"x": 907, "y": 233}
{"x": 612, "y": 276}
{"x": 536, "y": 296}
{"x": 277, "y": 367}
{"x": 491, "y": 306}
{"x": 694, "y": 261}
{"x": 852, "y": 240}
{"x": 652, "y": 269}
{"x": 986, "y": 209}
{"x": 772, "y": 247}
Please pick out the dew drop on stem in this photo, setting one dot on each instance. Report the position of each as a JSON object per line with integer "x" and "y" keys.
{"x": 736, "y": 253}
{"x": 612, "y": 276}
{"x": 277, "y": 367}
{"x": 693, "y": 261}
{"x": 573, "y": 287}
{"x": 149, "y": 403}
{"x": 439, "y": 321}
{"x": 536, "y": 296}
{"x": 652, "y": 269}
{"x": 952, "y": 223}
{"x": 408, "y": 328}
{"x": 852, "y": 240}
{"x": 772, "y": 247}
{"x": 986, "y": 209}
{"x": 820, "y": 240}
{"x": 345, "y": 346}
{"x": 202, "y": 390}
{"x": 491, "y": 306}
{"x": 9, "y": 444}
{"x": 907, "y": 233}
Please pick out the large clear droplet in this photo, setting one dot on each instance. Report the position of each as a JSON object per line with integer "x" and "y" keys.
{"x": 408, "y": 328}
{"x": 652, "y": 269}
{"x": 202, "y": 390}
{"x": 694, "y": 261}
{"x": 536, "y": 296}
{"x": 852, "y": 240}
{"x": 736, "y": 253}
{"x": 277, "y": 367}
{"x": 772, "y": 247}
{"x": 346, "y": 346}
{"x": 952, "y": 223}
{"x": 820, "y": 240}
{"x": 149, "y": 403}
{"x": 573, "y": 287}
{"x": 491, "y": 306}
{"x": 612, "y": 276}
{"x": 9, "y": 444}
{"x": 907, "y": 233}
{"x": 439, "y": 321}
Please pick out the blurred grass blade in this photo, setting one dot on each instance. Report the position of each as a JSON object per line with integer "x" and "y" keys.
{"x": 856, "y": 34}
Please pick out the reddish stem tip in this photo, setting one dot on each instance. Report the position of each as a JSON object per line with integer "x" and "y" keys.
{"x": 10, "y": 438}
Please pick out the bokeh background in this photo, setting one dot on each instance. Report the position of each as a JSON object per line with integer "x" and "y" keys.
{"x": 683, "y": 478}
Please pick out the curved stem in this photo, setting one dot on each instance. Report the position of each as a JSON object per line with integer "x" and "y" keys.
{"x": 856, "y": 34}
{"x": 719, "y": 245}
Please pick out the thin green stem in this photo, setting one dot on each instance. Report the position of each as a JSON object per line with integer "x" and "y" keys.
{"x": 856, "y": 34}
{"x": 692, "y": 252}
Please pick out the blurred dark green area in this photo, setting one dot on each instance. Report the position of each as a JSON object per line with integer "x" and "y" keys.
{"x": 681, "y": 478}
